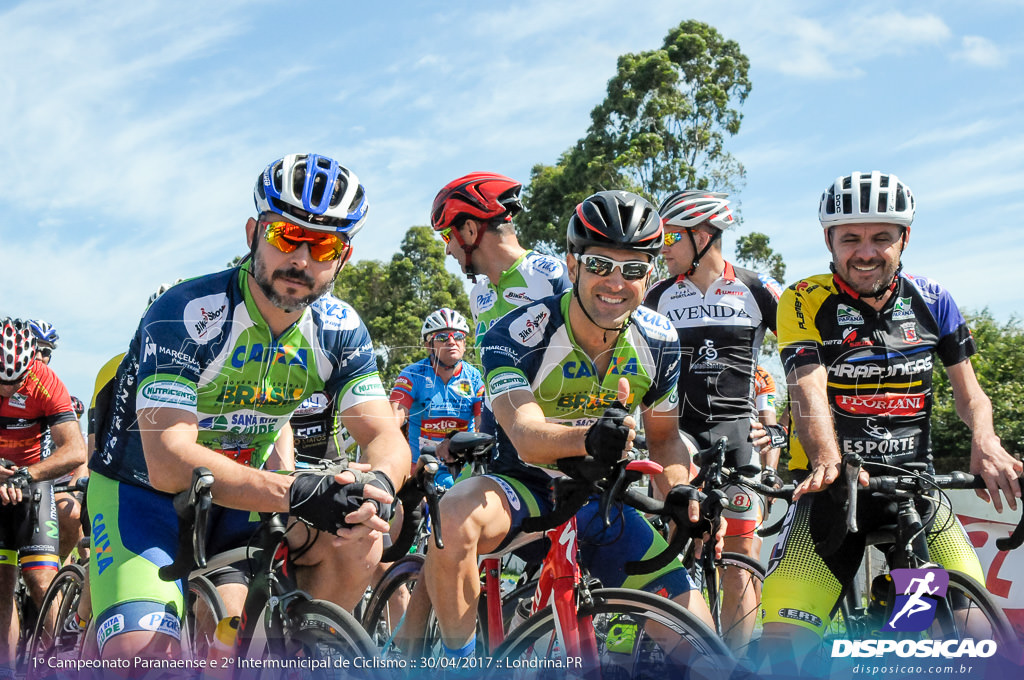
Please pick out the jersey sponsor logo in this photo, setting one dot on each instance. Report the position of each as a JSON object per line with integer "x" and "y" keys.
{"x": 278, "y": 354}
{"x": 724, "y": 291}
{"x": 161, "y": 622}
{"x": 799, "y": 615}
{"x": 370, "y": 386}
{"x": 485, "y": 301}
{"x": 18, "y": 400}
{"x": 682, "y": 291}
{"x": 547, "y": 265}
{"x": 506, "y": 382}
{"x": 652, "y": 319}
{"x": 510, "y": 493}
{"x": 882, "y": 404}
{"x": 337, "y": 316}
{"x": 109, "y": 628}
{"x": 624, "y": 366}
{"x": 583, "y": 400}
{"x": 150, "y": 350}
{"x": 205, "y": 316}
{"x": 104, "y": 554}
{"x": 309, "y": 431}
{"x": 902, "y": 311}
{"x": 798, "y": 311}
{"x": 880, "y": 447}
{"x": 847, "y": 315}
{"x": 19, "y": 424}
{"x": 912, "y": 367}
{"x": 851, "y": 339}
{"x": 251, "y": 395}
{"x": 314, "y": 403}
{"x": 169, "y": 392}
{"x": 910, "y": 333}
{"x": 528, "y": 328}
{"x": 517, "y": 296}
{"x": 441, "y": 426}
{"x": 706, "y": 312}
{"x": 462, "y": 388}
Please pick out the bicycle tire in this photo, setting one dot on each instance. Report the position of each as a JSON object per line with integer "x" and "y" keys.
{"x": 627, "y": 649}
{"x": 64, "y": 638}
{"x": 745, "y": 628}
{"x": 976, "y": 602}
{"x": 321, "y": 630}
{"x": 203, "y": 611}
{"x": 381, "y": 622}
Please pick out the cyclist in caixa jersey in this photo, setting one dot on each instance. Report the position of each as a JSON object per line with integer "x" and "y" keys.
{"x": 32, "y": 399}
{"x": 553, "y": 371}
{"x": 858, "y": 347}
{"x": 214, "y": 372}
{"x": 474, "y": 217}
{"x": 721, "y": 314}
{"x": 441, "y": 394}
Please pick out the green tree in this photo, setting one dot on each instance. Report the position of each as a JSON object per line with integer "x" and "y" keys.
{"x": 393, "y": 298}
{"x": 999, "y": 365}
{"x": 754, "y": 252}
{"x": 661, "y": 127}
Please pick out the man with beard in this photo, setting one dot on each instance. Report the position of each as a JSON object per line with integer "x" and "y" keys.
{"x": 858, "y": 347}
{"x": 214, "y": 372}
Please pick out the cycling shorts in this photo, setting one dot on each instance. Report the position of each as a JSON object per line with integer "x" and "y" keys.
{"x": 804, "y": 589}
{"x": 604, "y": 552}
{"x": 134, "y": 533}
{"x": 745, "y": 510}
{"x": 29, "y": 533}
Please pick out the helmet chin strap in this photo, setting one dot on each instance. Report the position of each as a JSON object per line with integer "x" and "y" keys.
{"x": 604, "y": 338}
{"x": 437, "y": 360}
{"x": 468, "y": 249}
{"x": 702, "y": 253}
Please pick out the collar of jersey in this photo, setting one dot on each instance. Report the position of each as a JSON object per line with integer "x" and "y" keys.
{"x": 729, "y": 274}
{"x": 512, "y": 269}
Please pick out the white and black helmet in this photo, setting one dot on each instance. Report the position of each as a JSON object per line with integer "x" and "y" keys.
{"x": 691, "y": 208}
{"x": 862, "y": 197}
{"x": 443, "y": 319}
{"x": 17, "y": 349}
{"x": 313, "y": 191}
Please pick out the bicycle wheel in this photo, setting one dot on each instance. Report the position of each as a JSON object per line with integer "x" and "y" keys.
{"x": 974, "y": 615}
{"x": 56, "y": 633}
{"x": 325, "y": 639}
{"x": 392, "y": 624}
{"x": 639, "y": 636}
{"x": 203, "y": 612}
{"x": 736, "y": 604}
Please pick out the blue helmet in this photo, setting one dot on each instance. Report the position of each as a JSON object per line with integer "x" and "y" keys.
{"x": 313, "y": 191}
{"x": 44, "y": 332}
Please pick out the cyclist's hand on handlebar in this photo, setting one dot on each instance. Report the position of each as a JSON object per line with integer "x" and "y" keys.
{"x": 13, "y": 482}
{"x": 698, "y": 543}
{"x": 352, "y": 497}
{"x": 999, "y": 469}
{"x": 611, "y": 437}
{"x": 822, "y": 476}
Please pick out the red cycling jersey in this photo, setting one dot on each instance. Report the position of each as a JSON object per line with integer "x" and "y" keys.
{"x": 42, "y": 401}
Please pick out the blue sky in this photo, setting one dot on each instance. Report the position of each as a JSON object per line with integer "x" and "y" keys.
{"x": 133, "y": 131}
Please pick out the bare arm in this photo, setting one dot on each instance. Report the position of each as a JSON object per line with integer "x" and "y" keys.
{"x": 283, "y": 455}
{"x": 770, "y": 454}
{"x": 988, "y": 457}
{"x": 375, "y": 427}
{"x": 68, "y": 452}
{"x": 666, "y": 448}
{"x": 170, "y": 443}
{"x": 537, "y": 441}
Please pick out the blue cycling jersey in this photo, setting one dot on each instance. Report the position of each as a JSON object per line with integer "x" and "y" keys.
{"x": 435, "y": 407}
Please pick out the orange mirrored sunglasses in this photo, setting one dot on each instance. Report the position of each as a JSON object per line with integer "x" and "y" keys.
{"x": 323, "y": 247}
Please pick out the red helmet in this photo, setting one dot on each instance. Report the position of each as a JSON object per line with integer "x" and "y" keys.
{"x": 483, "y": 196}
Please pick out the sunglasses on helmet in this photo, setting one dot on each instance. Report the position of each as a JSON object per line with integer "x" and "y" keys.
{"x": 323, "y": 247}
{"x": 632, "y": 270}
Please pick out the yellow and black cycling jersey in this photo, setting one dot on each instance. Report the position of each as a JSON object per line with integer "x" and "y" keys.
{"x": 879, "y": 363}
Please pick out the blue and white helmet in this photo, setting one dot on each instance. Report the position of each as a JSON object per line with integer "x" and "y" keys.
{"x": 44, "y": 332}
{"x": 313, "y": 191}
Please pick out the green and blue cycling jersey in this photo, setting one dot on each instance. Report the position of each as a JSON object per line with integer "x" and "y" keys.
{"x": 204, "y": 348}
{"x": 533, "y": 349}
{"x": 532, "y": 277}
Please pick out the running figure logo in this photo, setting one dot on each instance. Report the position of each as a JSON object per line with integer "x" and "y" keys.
{"x": 917, "y": 592}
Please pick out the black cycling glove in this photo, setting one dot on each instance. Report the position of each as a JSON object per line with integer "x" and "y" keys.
{"x": 769, "y": 477}
{"x": 323, "y": 503}
{"x": 607, "y": 437}
{"x": 778, "y": 435}
{"x": 21, "y": 479}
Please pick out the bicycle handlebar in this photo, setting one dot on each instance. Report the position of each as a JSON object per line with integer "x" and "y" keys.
{"x": 193, "y": 509}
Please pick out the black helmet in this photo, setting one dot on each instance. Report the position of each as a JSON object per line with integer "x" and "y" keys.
{"x": 615, "y": 219}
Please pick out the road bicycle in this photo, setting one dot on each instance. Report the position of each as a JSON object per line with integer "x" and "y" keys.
{"x": 579, "y": 629}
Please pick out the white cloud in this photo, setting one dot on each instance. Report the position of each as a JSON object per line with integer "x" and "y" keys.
{"x": 979, "y": 51}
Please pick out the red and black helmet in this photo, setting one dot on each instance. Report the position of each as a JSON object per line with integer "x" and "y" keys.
{"x": 17, "y": 349}
{"x": 615, "y": 219}
{"x": 484, "y": 196}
